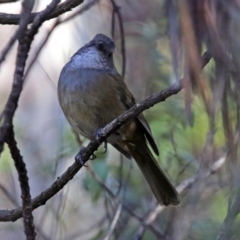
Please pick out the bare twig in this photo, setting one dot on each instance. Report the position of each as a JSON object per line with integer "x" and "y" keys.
{"x": 125, "y": 207}
{"x": 28, "y": 18}
{"x": 57, "y": 22}
{"x": 80, "y": 233}
{"x": 41, "y": 47}
{"x": 86, "y": 7}
{"x": 114, "y": 221}
{"x": 23, "y": 48}
{"x": 116, "y": 10}
{"x": 27, "y": 7}
{"x": 225, "y": 231}
{"x": 180, "y": 188}
{"x": 66, "y": 6}
{"x": 29, "y": 228}
{"x": 8, "y": 1}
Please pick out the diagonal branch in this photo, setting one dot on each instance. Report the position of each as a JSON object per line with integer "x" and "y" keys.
{"x": 13, "y": 19}
{"x": 27, "y": 7}
{"x": 8, "y": 1}
{"x": 85, "y": 153}
{"x": 114, "y": 222}
{"x": 226, "y": 230}
{"x": 125, "y": 207}
{"x": 180, "y": 188}
{"x": 23, "y": 48}
{"x": 58, "y": 22}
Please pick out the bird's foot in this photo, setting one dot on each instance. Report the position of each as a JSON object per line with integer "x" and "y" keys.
{"x": 98, "y": 135}
{"x": 80, "y": 156}
{"x": 105, "y": 147}
{"x": 93, "y": 157}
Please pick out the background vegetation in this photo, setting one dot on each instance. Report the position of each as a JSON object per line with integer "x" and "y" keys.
{"x": 197, "y": 131}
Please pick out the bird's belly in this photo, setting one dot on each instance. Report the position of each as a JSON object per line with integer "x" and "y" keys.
{"x": 86, "y": 121}
{"x": 83, "y": 120}
{"x": 88, "y": 105}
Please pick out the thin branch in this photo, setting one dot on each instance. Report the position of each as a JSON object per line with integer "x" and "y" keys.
{"x": 116, "y": 10}
{"x": 8, "y": 1}
{"x": 86, "y": 7}
{"x": 23, "y": 48}
{"x": 114, "y": 222}
{"x": 57, "y": 22}
{"x": 180, "y": 188}
{"x": 41, "y": 46}
{"x": 80, "y": 233}
{"x": 27, "y": 7}
{"x": 13, "y": 19}
{"x": 29, "y": 228}
{"x": 125, "y": 207}
{"x": 225, "y": 231}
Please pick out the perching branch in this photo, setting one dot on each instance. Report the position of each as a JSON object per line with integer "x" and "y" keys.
{"x": 86, "y": 152}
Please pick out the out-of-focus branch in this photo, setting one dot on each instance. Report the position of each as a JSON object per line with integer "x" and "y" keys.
{"x": 40, "y": 48}
{"x": 114, "y": 222}
{"x": 116, "y": 11}
{"x": 9, "y": 195}
{"x": 86, "y": 152}
{"x": 180, "y": 188}
{"x": 28, "y": 18}
{"x": 8, "y": 1}
{"x": 225, "y": 231}
{"x": 23, "y": 48}
{"x": 125, "y": 207}
{"x": 79, "y": 233}
{"x": 55, "y": 24}
{"x": 27, "y": 7}
{"x": 192, "y": 54}
{"x": 86, "y": 7}
{"x": 29, "y": 228}
{"x": 13, "y": 19}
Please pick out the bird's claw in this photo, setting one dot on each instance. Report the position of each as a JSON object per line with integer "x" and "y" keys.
{"x": 98, "y": 135}
{"x": 79, "y": 158}
{"x": 105, "y": 147}
{"x": 93, "y": 157}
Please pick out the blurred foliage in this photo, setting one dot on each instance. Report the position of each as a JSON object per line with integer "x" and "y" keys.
{"x": 101, "y": 169}
{"x": 157, "y": 56}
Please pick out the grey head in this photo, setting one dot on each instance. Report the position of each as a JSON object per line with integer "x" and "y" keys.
{"x": 97, "y": 54}
{"x": 103, "y": 43}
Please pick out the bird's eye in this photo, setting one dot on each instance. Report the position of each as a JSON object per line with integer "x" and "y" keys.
{"x": 109, "y": 55}
{"x": 100, "y": 46}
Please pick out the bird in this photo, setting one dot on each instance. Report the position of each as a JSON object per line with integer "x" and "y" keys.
{"x": 92, "y": 93}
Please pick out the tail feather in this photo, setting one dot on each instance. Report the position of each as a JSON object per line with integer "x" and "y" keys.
{"x": 162, "y": 188}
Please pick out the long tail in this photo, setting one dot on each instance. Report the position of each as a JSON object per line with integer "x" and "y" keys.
{"x": 162, "y": 188}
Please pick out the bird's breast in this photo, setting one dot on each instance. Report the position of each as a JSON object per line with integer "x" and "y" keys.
{"x": 89, "y": 99}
